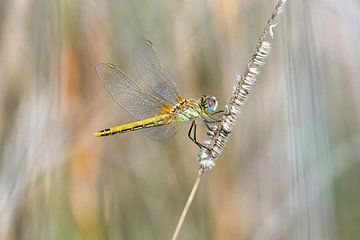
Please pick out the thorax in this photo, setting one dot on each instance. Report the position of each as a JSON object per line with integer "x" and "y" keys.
{"x": 187, "y": 110}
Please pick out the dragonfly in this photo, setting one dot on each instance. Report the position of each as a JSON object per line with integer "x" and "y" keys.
{"x": 159, "y": 106}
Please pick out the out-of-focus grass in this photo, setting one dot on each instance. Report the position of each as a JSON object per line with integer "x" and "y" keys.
{"x": 289, "y": 171}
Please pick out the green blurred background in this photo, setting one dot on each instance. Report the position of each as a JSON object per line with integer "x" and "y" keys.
{"x": 290, "y": 170}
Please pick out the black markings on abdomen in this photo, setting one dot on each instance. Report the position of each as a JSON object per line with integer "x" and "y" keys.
{"x": 105, "y": 132}
{"x": 149, "y": 125}
{"x": 125, "y": 130}
{"x": 137, "y": 127}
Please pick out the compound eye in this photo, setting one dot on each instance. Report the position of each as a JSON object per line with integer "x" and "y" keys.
{"x": 211, "y": 101}
{"x": 212, "y": 104}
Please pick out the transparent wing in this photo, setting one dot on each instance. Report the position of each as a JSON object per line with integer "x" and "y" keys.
{"x": 133, "y": 99}
{"x": 161, "y": 133}
{"x": 127, "y": 93}
{"x": 149, "y": 68}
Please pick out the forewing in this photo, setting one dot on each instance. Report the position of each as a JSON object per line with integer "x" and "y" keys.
{"x": 149, "y": 68}
{"x": 127, "y": 93}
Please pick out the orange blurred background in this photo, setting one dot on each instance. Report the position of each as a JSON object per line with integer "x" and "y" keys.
{"x": 290, "y": 170}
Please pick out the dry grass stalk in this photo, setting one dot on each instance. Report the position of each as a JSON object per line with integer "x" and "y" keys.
{"x": 219, "y": 134}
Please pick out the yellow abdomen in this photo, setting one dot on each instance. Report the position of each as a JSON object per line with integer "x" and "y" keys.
{"x": 146, "y": 123}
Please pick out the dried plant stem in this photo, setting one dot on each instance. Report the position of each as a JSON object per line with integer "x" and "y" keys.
{"x": 187, "y": 205}
{"x": 219, "y": 135}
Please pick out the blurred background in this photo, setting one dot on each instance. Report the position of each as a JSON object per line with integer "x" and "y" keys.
{"x": 291, "y": 168}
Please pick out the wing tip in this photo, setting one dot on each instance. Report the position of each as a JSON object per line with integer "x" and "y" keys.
{"x": 101, "y": 65}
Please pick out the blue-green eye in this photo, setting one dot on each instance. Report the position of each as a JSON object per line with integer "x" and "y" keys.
{"x": 211, "y": 104}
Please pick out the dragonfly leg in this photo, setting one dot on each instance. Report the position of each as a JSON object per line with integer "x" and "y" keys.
{"x": 193, "y": 138}
{"x": 215, "y": 119}
{"x": 217, "y": 112}
{"x": 212, "y": 120}
{"x": 207, "y": 125}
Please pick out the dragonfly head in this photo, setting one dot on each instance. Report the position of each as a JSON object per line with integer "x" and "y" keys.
{"x": 208, "y": 104}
